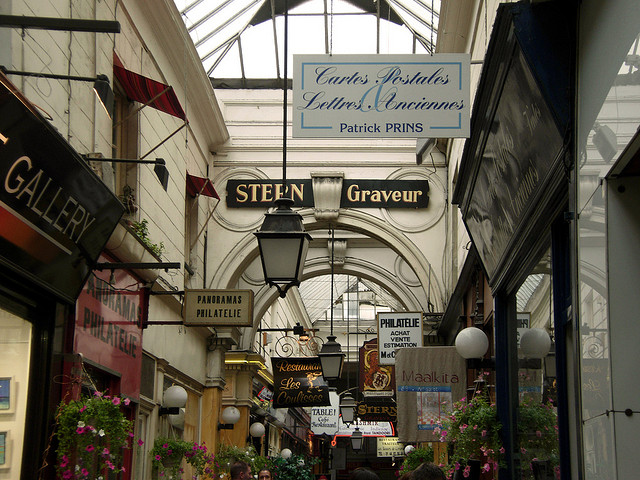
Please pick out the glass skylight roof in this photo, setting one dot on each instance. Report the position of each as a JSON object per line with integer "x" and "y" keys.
{"x": 245, "y": 38}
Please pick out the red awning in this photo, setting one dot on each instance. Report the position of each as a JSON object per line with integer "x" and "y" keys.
{"x": 143, "y": 90}
{"x": 202, "y": 186}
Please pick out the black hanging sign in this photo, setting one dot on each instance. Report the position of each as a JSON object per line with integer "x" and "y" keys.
{"x": 56, "y": 215}
{"x": 298, "y": 382}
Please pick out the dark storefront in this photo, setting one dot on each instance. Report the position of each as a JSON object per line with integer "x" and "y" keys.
{"x": 513, "y": 190}
{"x": 55, "y": 218}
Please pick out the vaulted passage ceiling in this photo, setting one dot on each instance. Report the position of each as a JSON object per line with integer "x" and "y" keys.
{"x": 244, "y": 39}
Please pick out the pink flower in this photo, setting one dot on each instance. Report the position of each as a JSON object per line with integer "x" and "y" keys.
{"x": 105, "y": 452}
{"x": 80, "y": 430}
{"x": 90, "y": 448}
{"x": 97, "y": 394}
{"x": 538, "y": 433}
{"x": 158, "y": 457}
{"x": 85, "y": 472}
{"x": 484, "y": 433}
{"x": 140, "y": 442}
{"x": 467, "y": 471}
{"x": 486, "y": 467}
{"x": 165, "y": 445}
{"x": 116, "y": 400}
{"x": 67, "y": 475}
{"x": 84, "y": 407}
{"x": 502, "y": 450}
{"x": 523, "y": 450}
{"x": 64, "y": 462}
{"x": 126, "y": 401}
{"x": 110, "y": 465}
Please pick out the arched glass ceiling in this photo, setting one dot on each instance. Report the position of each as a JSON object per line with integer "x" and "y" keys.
{"x": 244, "y": 38}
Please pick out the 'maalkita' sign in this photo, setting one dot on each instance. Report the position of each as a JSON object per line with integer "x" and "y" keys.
{"x": 355, "y": 193}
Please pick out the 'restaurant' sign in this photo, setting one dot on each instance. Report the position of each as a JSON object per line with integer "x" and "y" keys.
{"x": 298, "y": 382}
{"x": 56, "y": 215}
{"x": 377, "y": 96}
{"x": 218, "y": 308}
{"x": 355, "y": 193}
{"x": 109, "y": 315}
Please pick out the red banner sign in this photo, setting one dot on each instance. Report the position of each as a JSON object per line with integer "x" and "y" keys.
{"x": 108, "y": 319}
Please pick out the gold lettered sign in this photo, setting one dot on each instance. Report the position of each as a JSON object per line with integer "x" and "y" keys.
{"x": 298, "y": 382}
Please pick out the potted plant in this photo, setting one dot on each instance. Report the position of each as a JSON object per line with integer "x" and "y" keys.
{"x": 296, "y": 467}
{"x": 92, "y": 433}
{"x": 473, "y": 431}
{"x": 228, "y": 454}
{"x": 415, "y": 458}
{"x": 167, "y": 455}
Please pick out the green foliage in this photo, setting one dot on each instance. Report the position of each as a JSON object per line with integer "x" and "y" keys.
{"x": 415, "y": 458}
{"x": 295, "y": 467}
{"x": 91, "y": 433}
{"x": 229, "y": 454}
{"x": 473, "y": 430}
{"x": 141, "y": 230}
{"x": 537, "y": 433}
{"x": 167, "y": 455}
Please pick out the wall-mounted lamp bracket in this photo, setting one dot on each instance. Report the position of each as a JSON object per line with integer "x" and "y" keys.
{"x": 225, "y": 426}
{"x": 166, "y": 266}
{"x": 169, "y": 410}
{"x": 65, "y": 24}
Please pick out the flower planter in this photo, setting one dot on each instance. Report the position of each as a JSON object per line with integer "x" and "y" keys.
{"x": 473, "y": 468}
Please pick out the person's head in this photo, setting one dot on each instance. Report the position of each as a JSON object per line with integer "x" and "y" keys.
{"x": 428, "y": 471}
{"x": 240, "y": 471}
{"x": 362, "y": 473}
{"x": 264, "y": 474}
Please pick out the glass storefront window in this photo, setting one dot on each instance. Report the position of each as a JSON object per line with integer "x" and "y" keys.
{"x": 537, "y": 425}
{"x": 15, "y": 348}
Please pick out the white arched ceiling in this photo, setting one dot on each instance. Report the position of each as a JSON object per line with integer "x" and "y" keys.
{"x": 245, "y": 253}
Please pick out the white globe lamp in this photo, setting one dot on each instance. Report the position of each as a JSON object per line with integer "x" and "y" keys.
{"x": 285, "y": 453}
{"x": 471, "y": 342}
{"x": 408, "y": 449}
{"x": 535, "y": 343}
{"x": 256, "y": 429}
{"x": 175, "y": 396}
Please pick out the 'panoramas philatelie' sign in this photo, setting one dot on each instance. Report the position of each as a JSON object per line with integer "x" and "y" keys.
{"x": 367, "y": 96}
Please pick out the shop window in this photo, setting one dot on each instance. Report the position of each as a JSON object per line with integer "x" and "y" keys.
{"x": 148, "y": 375}
{"x": 15, "y": 345}
{"x": 191, "y": 233}
{"x": 126, "y": 135}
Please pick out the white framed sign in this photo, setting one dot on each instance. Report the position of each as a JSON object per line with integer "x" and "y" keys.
{"x": 389, "y": 447}
{"x": 325, "y": 419}
{"x": 381, "y": 96}
{"x": 218, "y": 308}
{"x": 398, "y": 330}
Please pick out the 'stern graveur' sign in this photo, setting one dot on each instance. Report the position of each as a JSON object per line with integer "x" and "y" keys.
{"x": 383, "y": 96}
{"x": 218, "y": 308}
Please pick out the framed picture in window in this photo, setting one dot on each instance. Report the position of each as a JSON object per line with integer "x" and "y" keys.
{"x": 7, "y": 395}
{"x": 4, "y": 454}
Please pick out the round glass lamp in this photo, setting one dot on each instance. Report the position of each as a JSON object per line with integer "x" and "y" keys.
{"x": 408, "y": 449}
{"x": 285, "y": 453}
{"x": 256, "y": 429}
{"x": 175, "y": 397}
{"x": 471, "y": 342}
{"x": 230, "y": 415}
{"x": 535, "y": 343}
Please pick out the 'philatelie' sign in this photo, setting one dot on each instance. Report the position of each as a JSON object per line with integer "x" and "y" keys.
{"x": 397, "y": 330}
{"x": 414, "y": 96}
{"x": 218, "y": 308}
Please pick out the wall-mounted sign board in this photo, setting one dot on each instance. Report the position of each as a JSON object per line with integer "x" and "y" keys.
{"x": 218, "y": 308}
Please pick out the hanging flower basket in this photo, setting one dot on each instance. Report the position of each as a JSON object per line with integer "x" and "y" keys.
{"x": 92, "y": 433}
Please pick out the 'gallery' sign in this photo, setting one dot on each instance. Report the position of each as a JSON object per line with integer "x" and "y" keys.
{"x": 377, "y": 96}
{"x": 298, "y": 382}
